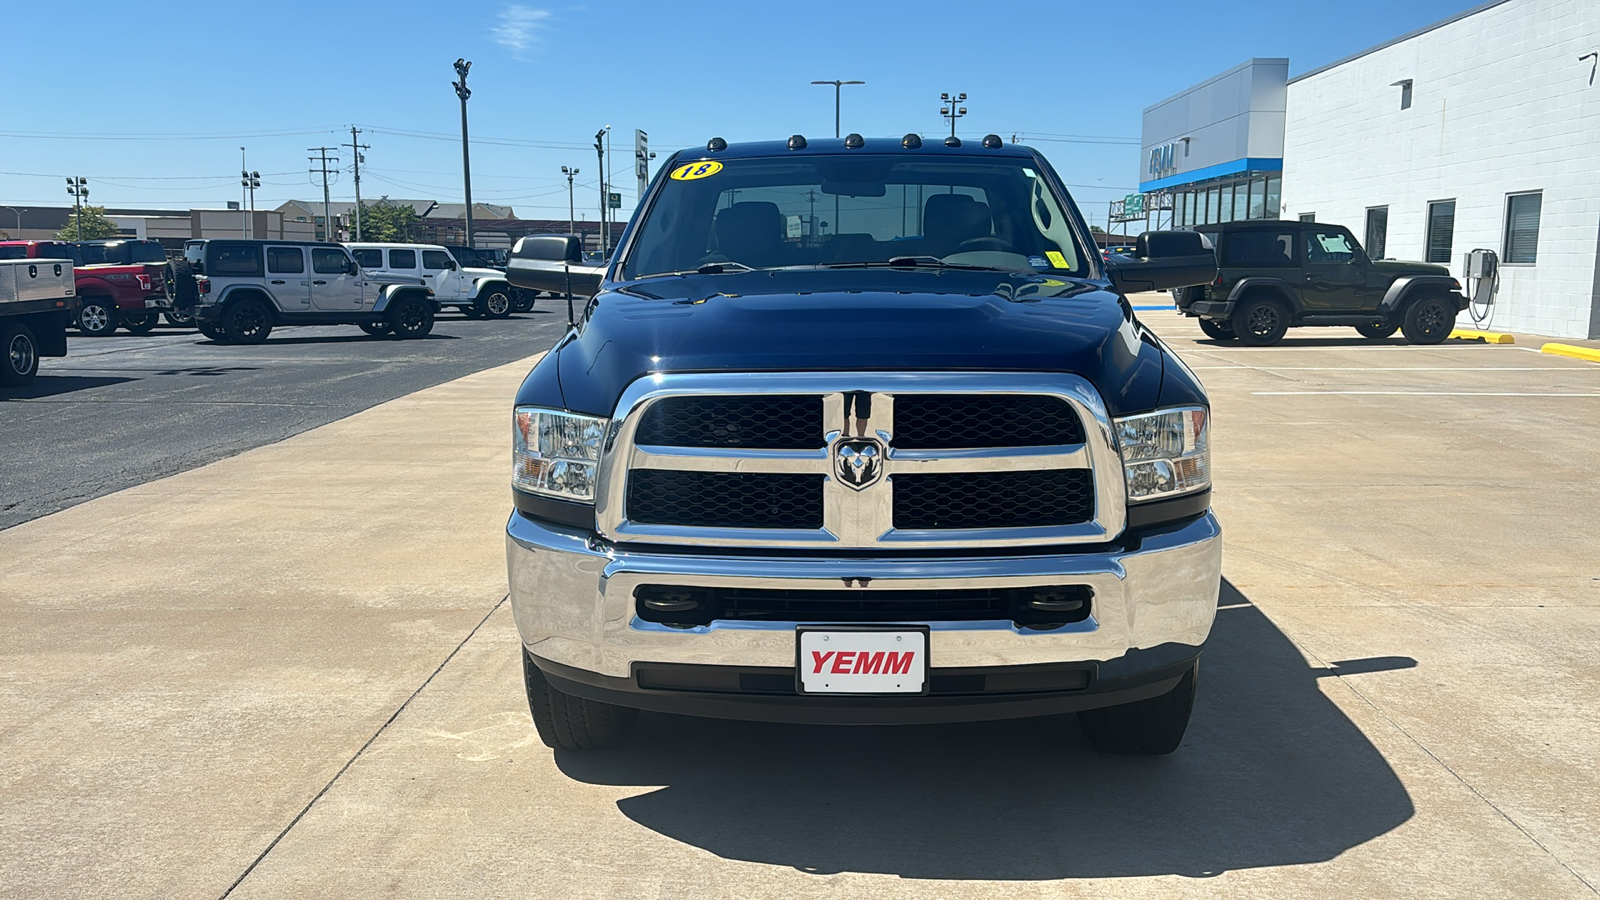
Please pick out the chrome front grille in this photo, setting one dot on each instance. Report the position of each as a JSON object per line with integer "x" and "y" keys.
{"x": 946, "y": 460}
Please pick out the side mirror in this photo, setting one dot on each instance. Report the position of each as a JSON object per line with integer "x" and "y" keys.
{"x": 350, "y": 267}
{"x": 552, "y": 262}
{"x": 1163, "y": 260}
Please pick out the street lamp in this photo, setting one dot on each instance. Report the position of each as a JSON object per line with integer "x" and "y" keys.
{"x": 600, "y": 141}
{"x": 837, "y": 87}
{"x": 571, "y": 174}
{"x": 79, "y": 189}
{"x": 250, "y": 181}
{"x": 462, "y": 91}
{"x": 18, "y": 214}
{"x": 951, "y": 111}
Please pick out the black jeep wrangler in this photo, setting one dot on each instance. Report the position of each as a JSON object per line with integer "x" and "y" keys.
{"x": 1274, "y": 275}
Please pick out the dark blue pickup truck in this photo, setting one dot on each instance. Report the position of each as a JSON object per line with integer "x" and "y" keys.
{"x": 865, "y": 432}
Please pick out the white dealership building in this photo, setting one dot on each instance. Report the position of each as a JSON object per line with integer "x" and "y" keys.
{"x": 1478, "y": 132}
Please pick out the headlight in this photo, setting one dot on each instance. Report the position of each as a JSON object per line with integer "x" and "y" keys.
{"x": 556, "y": 454}
{"x": 1166, "y": 453}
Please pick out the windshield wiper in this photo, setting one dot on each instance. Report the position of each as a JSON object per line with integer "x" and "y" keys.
{"x": 910, "y": 262}
{"x": 716, "y": 268}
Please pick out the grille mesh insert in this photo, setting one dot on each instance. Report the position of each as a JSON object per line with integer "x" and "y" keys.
{"x": 757, "y": 422}
{"x": 944, "y": 421}
{"x": 993, "y": 499}
{"x": 725, "y": 499}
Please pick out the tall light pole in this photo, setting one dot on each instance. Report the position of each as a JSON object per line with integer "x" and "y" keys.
{"x": 837, "y": 87}
{"x": 244, "y": 186}
{"x": 250, "y": 181}
{"x": 950, "y": 110}
{"x": 462, "y": 65}
{"x": 18, "y": 214}
{"x": 79, "y": 189}
{"x": 600, "y": 156}
{"x": 572, "y": 227}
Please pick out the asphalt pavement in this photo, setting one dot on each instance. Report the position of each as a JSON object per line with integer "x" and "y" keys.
{"x": 123, "y": 410}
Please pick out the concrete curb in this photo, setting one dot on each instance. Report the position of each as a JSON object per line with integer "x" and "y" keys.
{"x": 1488, "y": 337}
{"x": 1592, "y": 354}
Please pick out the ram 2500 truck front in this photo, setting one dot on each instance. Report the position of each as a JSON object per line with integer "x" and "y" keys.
{"x": 862, "y": 432}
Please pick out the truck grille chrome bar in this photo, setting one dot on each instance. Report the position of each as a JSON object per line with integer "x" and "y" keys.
{"x": 855, "y": 461}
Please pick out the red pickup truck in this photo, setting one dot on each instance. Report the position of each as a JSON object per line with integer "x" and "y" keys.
{"x": 119, "y": 282}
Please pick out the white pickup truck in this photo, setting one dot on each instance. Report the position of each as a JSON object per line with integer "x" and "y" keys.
{"x": 37, "y": 300}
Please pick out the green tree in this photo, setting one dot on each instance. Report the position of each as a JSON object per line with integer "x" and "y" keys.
{"x": 386, "y": 222}
{"x": 89, "y": 225}
{"x": 1097, "y": 229}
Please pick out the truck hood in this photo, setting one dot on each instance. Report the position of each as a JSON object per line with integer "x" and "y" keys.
{"x": 856, "y": 320}
{"x": 1397, "y": 267}
{"x": 391, "y": 278}
{"x": 475, "y": 273}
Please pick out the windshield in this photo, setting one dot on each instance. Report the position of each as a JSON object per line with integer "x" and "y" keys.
{"x": 855, "y": 210}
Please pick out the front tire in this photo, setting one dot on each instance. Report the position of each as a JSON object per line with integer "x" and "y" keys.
{"x": 1148, "y": 727}
{"x": 496, "y": 304}
{"x": 247, "y": 321}
{"x": 1377, "y": 331}
{"x": 213, "y": 331}
{"x": 376, "y": 329}
{"x": 411, "y": 317}
{"x": 565, "y": 722}
{"x": 1260, "y": 322}
{"x": 1217, "y": 331}
{"x": 522, "y": 301}
{"x": 19, "y": 356}
{"x": 1429, "y": 320}
{"x": 97, "y": 317}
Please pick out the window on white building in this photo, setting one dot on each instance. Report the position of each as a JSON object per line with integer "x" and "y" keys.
{"x": 1521, "y": 246}
{"x": 1308, "y": 217}
{"x": 1441, "y": 230}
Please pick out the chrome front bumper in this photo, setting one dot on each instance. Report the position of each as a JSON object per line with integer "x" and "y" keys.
{"x": 572, "y": 598}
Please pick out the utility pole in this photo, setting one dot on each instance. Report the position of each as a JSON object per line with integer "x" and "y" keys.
{"x": 600, "y": 156}
{"x": 327, "y": 206}
{"x": 79, "y": 189}
{"x": 462, "y": 66}
{"x": 250, "y": 181}
{"x": 641, "y": 160}
{"x": 837, "y": 87}
{"x": 355, "y": 153}
{"x": 572, "y": 227}
{"x": 950, "y": 111}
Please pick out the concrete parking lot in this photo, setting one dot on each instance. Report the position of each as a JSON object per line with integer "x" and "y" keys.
{"x": 299, "y": 678}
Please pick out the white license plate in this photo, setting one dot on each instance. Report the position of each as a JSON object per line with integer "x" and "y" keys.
{"x": 863, "y": 661}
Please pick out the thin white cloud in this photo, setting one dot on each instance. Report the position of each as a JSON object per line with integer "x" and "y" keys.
{"x": 519, "y": 27}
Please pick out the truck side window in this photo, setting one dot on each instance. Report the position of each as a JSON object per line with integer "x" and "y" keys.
{"x": 435, "y": 259}
{"x": 286, "y": 260}
{"x": 328, "y": 261}
{"x": 233, "y": 259}
{"x": 1258, "y": 249}
{"x": 1328, "y": 247}
{"x": 402, "y": 259}
{"x": 369, "y": 258}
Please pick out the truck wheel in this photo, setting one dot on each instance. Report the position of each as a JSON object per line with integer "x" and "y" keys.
{"x": 1260, "y": 322}
{"x": 1377, "y": 330}
{"x": 97, "y": 317}
{"x": 565, "y": 722}
{"x": 522, "y": 301}
{"x": 471, "y": 311}
{"x": 376, "y": 329}
{"x": 179, "y": 318}
{"x": 496, "y": 304}
{"x": 141, "y": 321}
{"x": 1148, "y": 727}
{"x": 213, "y": 332}
{"x": 411, "y": 317}
{"x": 1429, "y": 320}
{"x": 247, "y": 321}
{"x": 20, "y": 361}
{"x": 1217, "y": 331}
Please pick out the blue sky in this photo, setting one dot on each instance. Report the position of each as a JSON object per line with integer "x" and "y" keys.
{"x": 155, "y": 99}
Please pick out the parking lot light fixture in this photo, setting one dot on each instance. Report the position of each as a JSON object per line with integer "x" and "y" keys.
{"x": 572, "y": 173}
{"x": 462, "y": 91}
{"x": 837, "y": 88}
{"x": 952, "y": 109}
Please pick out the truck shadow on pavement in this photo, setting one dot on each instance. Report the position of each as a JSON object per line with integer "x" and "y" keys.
{"x": 54, "y": 385}
{"x": 1271, "y": 773}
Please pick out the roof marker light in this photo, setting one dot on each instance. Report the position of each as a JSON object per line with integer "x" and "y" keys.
{"x": 854, "y": 142}
{"x": 911, "y": 141}
{"x": 952, "y": 141}
{"x": 991, "y": 141}
{"x": 797, "y": 142}
{"x": 716, "y": 144}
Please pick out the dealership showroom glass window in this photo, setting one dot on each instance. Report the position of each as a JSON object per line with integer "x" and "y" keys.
{"x": 1231, "y": 200}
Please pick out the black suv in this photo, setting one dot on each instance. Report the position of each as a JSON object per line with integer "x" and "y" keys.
{"x": 1274, "y": 275}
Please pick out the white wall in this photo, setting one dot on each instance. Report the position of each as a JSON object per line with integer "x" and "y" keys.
{"x": 1501, "y": 105}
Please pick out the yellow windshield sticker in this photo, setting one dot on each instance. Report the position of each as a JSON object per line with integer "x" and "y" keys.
{"x": 1056, "y": 259}
{"x": 696, "y": 170}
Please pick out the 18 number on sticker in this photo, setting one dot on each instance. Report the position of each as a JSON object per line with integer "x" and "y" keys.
{"x": 696, "y": 170}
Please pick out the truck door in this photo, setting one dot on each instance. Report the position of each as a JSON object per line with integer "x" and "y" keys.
{"x": 1335, "y": 271}
{"x": 441, "y": 271}
{"x": 286, "y": 278}
{"x": 336, "y": 281}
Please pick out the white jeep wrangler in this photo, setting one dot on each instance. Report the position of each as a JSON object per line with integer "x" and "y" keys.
{"x": 476, "y": 292}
